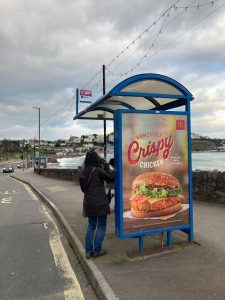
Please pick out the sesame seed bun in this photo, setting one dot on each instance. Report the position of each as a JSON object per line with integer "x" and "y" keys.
{"x": 156, "y": 179}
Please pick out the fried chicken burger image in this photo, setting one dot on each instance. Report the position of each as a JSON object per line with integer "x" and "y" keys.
{"x": 155, "y": 194}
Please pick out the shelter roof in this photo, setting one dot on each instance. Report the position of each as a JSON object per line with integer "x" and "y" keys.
{"x": 140, "y": 92}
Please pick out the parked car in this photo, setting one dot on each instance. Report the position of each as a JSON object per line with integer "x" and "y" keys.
{"x": 8, "y": 169}
{"x": 20, "y": 166}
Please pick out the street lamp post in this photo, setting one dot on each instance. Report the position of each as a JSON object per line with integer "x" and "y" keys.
{"x": 34, "y": 152}
{"x": 39, "y": 136}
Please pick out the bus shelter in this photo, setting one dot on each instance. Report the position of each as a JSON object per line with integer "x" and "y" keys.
{"x": 152, "y": 149}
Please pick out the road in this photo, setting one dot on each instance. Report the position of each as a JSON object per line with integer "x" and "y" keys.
{"x": 35, "y": 258}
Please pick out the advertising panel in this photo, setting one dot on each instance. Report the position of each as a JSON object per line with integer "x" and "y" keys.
{"x": 154, "y": 172}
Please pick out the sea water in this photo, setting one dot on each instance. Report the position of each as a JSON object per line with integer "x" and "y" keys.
{"x": 75, "y": 162}
{"x": 200, "y": 161}
{"x": 214, "y": 160}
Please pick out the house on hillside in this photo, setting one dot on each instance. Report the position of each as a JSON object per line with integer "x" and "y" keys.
{"x": 99, "y": 139}
{"x": 195, "y": 136}
{"x": 75, "y": 139}
{"x": 110, "y": 137}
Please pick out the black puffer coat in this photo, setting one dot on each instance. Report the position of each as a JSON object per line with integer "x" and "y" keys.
{"x": 95, "y": 202}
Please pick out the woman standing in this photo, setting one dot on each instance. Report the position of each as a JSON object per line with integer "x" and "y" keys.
{"x": 95, "y": 204}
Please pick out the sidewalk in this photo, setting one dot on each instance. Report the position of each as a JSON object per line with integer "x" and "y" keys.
{"x": 187, "y": 271}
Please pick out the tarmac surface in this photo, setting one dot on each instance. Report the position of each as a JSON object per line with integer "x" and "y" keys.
{"x": 186, "y": 271}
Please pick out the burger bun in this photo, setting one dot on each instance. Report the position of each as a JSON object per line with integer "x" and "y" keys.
{"x": 156, "y": 213}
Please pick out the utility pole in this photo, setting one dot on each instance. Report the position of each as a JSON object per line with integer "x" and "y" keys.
{"x": 104, "y": 121}
{"x": 77, "y": 100}
{"x": 39, "y": 138}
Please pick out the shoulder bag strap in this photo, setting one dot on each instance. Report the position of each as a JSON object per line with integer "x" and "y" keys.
{"x": 89, "y": 179}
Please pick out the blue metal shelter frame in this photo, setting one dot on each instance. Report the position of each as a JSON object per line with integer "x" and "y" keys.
{"x": 152, "y": 93}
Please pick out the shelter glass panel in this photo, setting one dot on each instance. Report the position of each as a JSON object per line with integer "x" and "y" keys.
{"x": 136, "y": 102}
{"x": 113, "y": 106}
{"x": 163, "y": 101}
{"x": 98, "y": 114}
{"x": 152, "y": 86}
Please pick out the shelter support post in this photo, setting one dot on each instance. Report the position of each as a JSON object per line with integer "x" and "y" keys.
{"x": 141, "y": 244}
{"x": 169, "y": 238}
{"x": 190, "y": 235}
{"x": 105, "y": 140}
{"x": 104, "y": 122}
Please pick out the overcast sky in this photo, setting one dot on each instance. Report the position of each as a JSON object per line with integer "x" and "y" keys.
{"x": 49, "y": 48}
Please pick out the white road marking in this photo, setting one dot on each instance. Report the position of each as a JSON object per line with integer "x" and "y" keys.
{"x": 6, "y": 200}
{"x": 6, "y": 193}
{"x": 72, "y": 290}
{"x": 16, "y": 191}
{"x": 45, "y": 225}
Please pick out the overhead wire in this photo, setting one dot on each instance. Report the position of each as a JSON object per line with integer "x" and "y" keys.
{"x": 140, "y": 35}
{"x": 166, "y": 15}
{"x": 192, "y": 26}
{"x": 152, "y": 44}
{"x": 127, "y": 47}
{"x": 170, "y": 42}
{"x": 140, "y": 61}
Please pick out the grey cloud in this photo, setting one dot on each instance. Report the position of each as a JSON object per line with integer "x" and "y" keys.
{"x": 49, "y": 48}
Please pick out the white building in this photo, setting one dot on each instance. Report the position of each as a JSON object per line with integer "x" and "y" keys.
{"x": 195, "y": 136}
{"x": 111, "y": 137}
{"x": 75, "y": 139}
{"x": 88, "y": 139}
{"x": 98, "y": 139}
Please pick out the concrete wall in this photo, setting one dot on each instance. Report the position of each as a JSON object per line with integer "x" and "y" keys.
{"x": 66, "y": 174}
{"x": 207, "y": 185}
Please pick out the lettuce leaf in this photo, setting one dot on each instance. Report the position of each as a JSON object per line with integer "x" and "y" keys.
{"x": 156, "y": 192}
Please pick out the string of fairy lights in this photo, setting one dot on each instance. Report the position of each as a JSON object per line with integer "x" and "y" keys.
{"x": 162, "y": 28}
{"x": 142, "y": 48}
{"x": 166, "y": 16}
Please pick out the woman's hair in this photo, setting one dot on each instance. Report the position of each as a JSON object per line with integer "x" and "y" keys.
{"x": 111, "y": 162}
{"x": 92, "y": 159}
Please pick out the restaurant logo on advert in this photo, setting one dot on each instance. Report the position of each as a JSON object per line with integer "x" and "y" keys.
{"x": 180, "y": 125}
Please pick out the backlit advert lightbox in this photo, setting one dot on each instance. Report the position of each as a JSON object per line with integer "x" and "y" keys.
{"x": 153, "y": 172}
